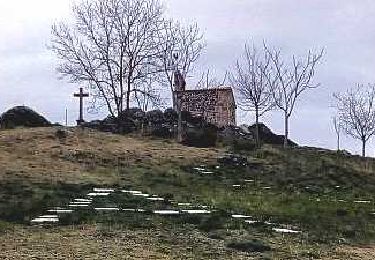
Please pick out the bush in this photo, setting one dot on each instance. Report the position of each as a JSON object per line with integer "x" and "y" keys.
{"x": 243, "y": 145}
{"x": 203, "y": 137}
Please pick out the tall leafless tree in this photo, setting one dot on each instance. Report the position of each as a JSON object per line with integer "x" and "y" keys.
{"x": 289, "y": 81}
{"x": 337, "y": 126}
{"x": 249, "y": 79}
{"x": 356, "y": 110}
{"x": 108, "y": 47}
{"x": 180, "y": 47}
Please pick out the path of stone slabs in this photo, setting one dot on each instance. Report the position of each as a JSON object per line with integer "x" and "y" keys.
{"x": 109, "y": 204}
{"x": 117, "y": 204}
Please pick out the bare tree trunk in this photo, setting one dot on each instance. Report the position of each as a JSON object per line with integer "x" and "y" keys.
{"x": 286, "y": 130}
{"x": 128, "y": 96}
{"x": 257, "y": 139}
{"x": 179, "y": 127}
{"x": 363, "y": 147}
{"x": 174, "y": 99}
{"x": 338, "y": 142}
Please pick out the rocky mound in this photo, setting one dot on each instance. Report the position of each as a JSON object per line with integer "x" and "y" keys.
{"x": 197, "y": 132}
{"x": 267, "y": 137}
{"x": 22, "y": 116}
{"x": 243, "y": 137}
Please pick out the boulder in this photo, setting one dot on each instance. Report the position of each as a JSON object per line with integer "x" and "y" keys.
{"x": 229, "y": 133}
{"x": 22, "y": 116}
{"x": 237, "y": 138}
{"x": 201, "y": 137}
{"x": 266, "y": 136}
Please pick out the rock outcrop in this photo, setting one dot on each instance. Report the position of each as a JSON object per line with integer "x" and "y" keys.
{"x": 268, "y": 137}
{"x": 197, "y": 132}
{"x": 22, "y": 116}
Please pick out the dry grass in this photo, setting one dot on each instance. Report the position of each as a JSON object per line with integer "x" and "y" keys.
{"x": 90, "y": 242}
{"x": 38, "y": 155}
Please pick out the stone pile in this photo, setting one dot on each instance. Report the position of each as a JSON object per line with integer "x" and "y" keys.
{"x": 22, "y": 116}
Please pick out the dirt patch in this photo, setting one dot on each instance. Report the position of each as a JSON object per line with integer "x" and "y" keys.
{"x": 91, "y": 242}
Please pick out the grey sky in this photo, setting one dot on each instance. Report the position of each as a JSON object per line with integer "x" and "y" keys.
{"x": 344, "y": 28}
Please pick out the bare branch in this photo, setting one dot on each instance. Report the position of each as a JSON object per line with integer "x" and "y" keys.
{"x": 288, "y": 82}
{"x": 108, "y": 47}
{"x": 356, "y": 112}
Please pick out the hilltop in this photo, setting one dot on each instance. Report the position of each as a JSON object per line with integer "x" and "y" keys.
{"x": 327, "y": 197}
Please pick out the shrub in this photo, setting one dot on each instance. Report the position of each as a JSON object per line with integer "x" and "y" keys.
{"x": 203, "y": 137}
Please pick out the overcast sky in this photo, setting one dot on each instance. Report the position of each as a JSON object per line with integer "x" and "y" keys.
{"x": 344, "y": 28}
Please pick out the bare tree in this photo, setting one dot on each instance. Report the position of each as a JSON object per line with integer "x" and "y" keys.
{"x": 288, "y": 82}
{"x": 250, "y": 82}
{"x": 208, "y": 81}
{"x": 357, "y": 113}
{"x": 108, "y": 46}
{"x": 148, "y": 94}
{"x": 179, "y": 47}
{"x": 337, "y": 127}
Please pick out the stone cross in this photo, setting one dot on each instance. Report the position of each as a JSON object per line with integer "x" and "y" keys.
{"x": 81, "y": 95}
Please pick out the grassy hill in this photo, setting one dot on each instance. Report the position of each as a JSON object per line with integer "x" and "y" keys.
{"x": 325, "y": 197}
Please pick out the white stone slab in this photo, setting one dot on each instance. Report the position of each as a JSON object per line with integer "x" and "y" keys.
{"x": 155, "y": 199}
{"x": 98, "y": 194}
{"x": 362, "y": 201}
{"x": 83, "y": 200}
{"x": 142, "y": 195}
{"x": 107, "y": 209}
{"x": 46, "y": 219}
{"x": 240, "y": 216}
{"x": 133, "y": 210}
{"x": 105, "y": 190}
{"x": 251, "y": 221}
{"x": 132, "y": 191}
{"x": 283, "y": 230}
{"x": 167, "y": 212}
{"x": 61, "y": 211}
{"x": 197, "y": 211}
{"x": 49, "y": 216}
{"x": 184, "y": 204}
{"x": 78, "y": 205}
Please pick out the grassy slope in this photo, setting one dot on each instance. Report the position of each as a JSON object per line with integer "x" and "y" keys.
{"x": 38, "y": 170}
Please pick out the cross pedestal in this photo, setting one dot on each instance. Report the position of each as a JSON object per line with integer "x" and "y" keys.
{"x": 81, "y": 95}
